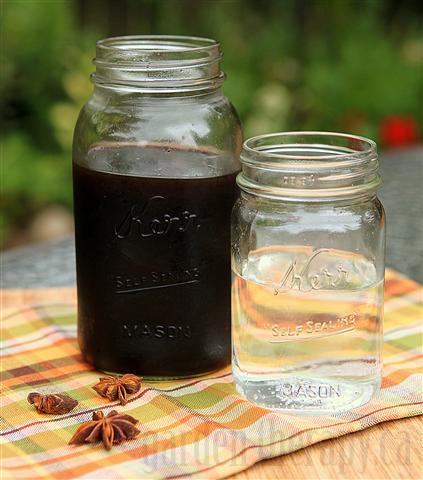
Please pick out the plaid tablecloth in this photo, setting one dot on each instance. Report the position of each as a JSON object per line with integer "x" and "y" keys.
{"x": 198, "y": 428}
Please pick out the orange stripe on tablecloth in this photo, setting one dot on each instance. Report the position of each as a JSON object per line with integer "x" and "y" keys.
{"x": 33, "y": 309}
{"x": 112, "y": 404}
{"x": 71, "y": 340}
{"x": 250, "y": 447}
{"x": 54, "y": 329}
{"x": 398, "y": 286}
{"x": 22, "y": 311}
{"x": 72, "y": 356}
{"x": 179, "y": 421}
{"x": 56, "y": 379}
{"x": 394, "y": 275}
{"x": 130, "y": 454}
{"x": 408, "y": 359}
{"x": 48, "y": 375}
{"x": 246, "y": 419}
{"x": 137, "y": 453}
{"x": 18, "y": 370}
{"x": 204, "y": 428}
{"x": 397, "y": 377}
{"x": 177, "y": 441}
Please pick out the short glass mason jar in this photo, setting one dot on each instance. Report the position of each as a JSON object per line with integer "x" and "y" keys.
{"x": 308, "y": 247}
{"x": 155, "y": 156}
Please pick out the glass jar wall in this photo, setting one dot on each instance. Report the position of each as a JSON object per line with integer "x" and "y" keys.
{"x": 308, "y": 272}
{"x": 156, "y": 152}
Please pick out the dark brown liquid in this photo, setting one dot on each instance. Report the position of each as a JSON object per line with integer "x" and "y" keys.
{"x": 153, "y": 264}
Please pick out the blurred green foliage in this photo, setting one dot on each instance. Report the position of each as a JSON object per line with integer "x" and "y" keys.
{"x": 291, "y": 64}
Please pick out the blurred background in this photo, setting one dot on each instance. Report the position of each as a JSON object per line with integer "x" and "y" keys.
{"x": 342, "y": 65}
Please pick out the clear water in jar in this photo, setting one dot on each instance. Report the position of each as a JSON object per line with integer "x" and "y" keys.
{"x": 307, "y": 329}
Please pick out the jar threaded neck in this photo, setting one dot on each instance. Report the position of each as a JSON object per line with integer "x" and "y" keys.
{"x": 309, "y": 166}
{"x": 158, "y": 63}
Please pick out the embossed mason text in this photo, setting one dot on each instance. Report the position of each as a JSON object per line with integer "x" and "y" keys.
{"x": 140, "y": 330}
{"x": 292, "y": 390}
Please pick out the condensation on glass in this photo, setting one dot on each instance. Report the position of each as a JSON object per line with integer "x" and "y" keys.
{"x": 308, "y": 272}
{"x": 155, "y": 156}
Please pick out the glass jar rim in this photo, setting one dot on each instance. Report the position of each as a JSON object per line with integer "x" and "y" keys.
{"x": 258, "y": 145}
{"x": 183, "y": 42}
{"x": 309, "y": 166}
{"x": 160, "y": 49}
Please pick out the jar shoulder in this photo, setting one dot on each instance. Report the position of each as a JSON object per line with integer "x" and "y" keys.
{"x": 300, "y": 211}
{"x": 278, "y": 218}
{"x": 209, "y": 121}
{"x": 355, "y": 232}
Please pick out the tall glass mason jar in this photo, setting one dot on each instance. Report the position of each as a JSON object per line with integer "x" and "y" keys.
{"x": 308, "y": 272}
{"x": 155, "y": 156}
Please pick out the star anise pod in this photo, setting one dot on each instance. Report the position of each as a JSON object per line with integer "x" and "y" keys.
{"x": 111, "y": 429}
{"x": 118, "y": 388}
{"x": 55, "y": 403}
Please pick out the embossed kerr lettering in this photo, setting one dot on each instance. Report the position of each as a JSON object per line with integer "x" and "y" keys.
{"x": 148, "y": 222}
{"x": 304, "y": 278}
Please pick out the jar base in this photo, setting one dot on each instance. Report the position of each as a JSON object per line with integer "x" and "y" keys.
{"x": 166, "y": 378}
{"x": 308, "y": 396}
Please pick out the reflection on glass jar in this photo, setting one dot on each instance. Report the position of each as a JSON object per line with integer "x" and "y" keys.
{"x": 308, "y": 272}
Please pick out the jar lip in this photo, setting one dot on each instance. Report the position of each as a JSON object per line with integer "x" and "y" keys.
{"x": 143, "y": 51}
{"x": 267, "y": 146}
{"x": 182, "y": 42}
